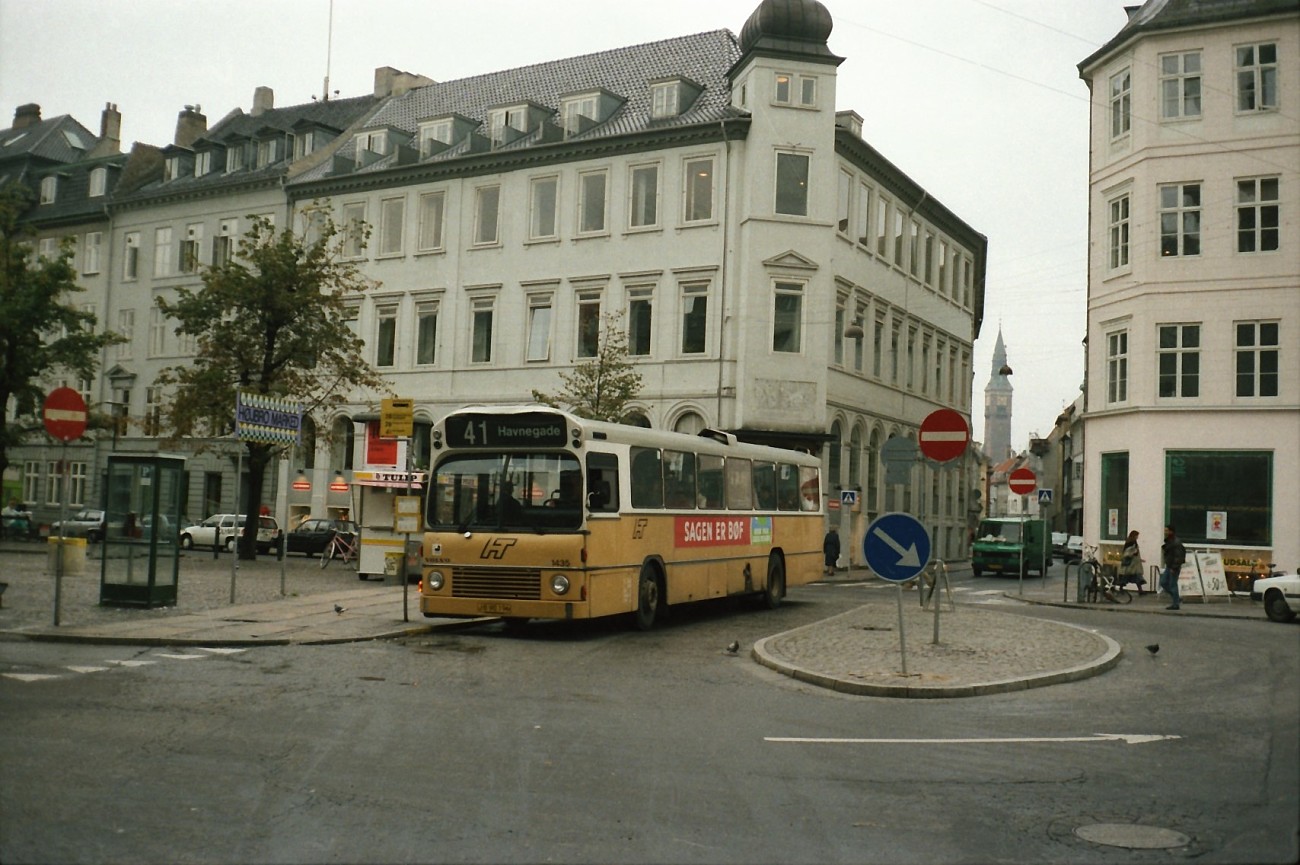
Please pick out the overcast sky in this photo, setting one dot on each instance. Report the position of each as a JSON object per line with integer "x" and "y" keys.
{"x": 979, "y": 101}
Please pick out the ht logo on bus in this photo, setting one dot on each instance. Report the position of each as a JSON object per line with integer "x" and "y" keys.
{"x": 496, "y": 548}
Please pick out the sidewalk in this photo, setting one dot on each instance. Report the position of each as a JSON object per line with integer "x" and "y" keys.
{"x": 984, "y": 646}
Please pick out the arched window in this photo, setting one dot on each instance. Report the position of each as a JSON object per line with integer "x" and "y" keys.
{"x": 341, "y": 444}
{"x": 636, "y": 418}
{"x": 307, "y": 447}
{"x": 689, "y": 423}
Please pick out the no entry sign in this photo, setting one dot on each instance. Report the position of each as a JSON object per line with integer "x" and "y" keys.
{"x": 944, "y": 435}
{"x": 65, "y": 414}
{"x": 1022, "y": 482}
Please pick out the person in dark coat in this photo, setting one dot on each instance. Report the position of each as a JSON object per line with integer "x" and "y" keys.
{"x": 1175, "y": 554}
{"x": 831, "y": 550}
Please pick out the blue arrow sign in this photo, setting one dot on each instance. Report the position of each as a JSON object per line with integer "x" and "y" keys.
{"x": 896, "y": 546}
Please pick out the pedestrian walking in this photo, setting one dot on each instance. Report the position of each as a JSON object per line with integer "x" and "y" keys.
{"x": 1174, "y": 554}
{"x": 1130, "y": 562}
{"x": 831, "y": 550}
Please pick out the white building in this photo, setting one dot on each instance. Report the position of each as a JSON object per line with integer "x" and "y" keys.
{"x": 1193, "y": 388}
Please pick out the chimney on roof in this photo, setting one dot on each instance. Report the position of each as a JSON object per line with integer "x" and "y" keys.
{"x": 110, "y": 127}
{"x": 190, "y": 124}
{"x": 394, "y": 82}
{"x": 27, "y": 115}
{"x": 263, "y": 100}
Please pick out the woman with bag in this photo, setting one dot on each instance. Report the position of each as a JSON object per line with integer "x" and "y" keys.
{"x": 1130, "y": 563}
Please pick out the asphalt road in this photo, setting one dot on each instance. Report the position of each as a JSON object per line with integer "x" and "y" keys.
{"x": 592, "y": 743}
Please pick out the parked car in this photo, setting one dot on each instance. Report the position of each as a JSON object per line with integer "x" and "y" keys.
{"x": 87, "y": 523}
{"x": 1058, "y": 545}
{"x": 221, "y": 530}
{"x": 1074, "y": 548}
{"x": 1280, "y": 594}
{"x": 314, "y": 534}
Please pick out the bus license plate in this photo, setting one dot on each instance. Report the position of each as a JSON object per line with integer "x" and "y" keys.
{"x": 494, "y": 608}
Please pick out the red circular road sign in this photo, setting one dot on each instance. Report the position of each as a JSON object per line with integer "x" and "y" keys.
{"x": 65, "y": 414}
{"x": 944, "y": 435}
{"x": 1022, "y": 481}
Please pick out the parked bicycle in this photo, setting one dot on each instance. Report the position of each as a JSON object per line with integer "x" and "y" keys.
{"x": 343, "y": 545}
{"x": 1100, "y": 580}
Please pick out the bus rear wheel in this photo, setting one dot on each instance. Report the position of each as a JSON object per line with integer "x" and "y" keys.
{"x": 775, "y": 590}
{"x": 649, "y": 598}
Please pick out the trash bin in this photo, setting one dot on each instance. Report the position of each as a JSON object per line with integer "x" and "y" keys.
{"x": 74, "y": 556}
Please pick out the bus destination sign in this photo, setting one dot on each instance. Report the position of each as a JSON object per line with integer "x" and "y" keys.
{"x": 534, "y": 429}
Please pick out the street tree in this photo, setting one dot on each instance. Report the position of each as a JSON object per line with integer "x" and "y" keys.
{"x": 271, "y": 320}
{"x": 601, "y": 387}
{"x": 44, "y": 334}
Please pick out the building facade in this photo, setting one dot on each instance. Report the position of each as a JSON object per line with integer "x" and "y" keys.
{"x": 776, "y": 276}
{"x": 1193, "y": 384}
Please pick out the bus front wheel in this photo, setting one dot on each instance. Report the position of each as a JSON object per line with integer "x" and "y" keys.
{"x": 649, "y": 598}
{"x": 775, "y": 590}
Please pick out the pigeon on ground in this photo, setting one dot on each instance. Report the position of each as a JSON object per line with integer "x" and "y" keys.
{"x": 339, "y": 609}
{"x": 733, "y": 647}
{"x": 1153, "y": 648}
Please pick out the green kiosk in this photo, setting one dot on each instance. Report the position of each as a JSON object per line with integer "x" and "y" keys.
{"x": 140, "y": 553}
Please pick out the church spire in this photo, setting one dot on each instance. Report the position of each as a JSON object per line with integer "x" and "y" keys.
{"x": 997, "y": 405}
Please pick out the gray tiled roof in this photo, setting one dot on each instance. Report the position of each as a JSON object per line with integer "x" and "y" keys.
{"x": 1157, "y": 15}
{"x": 47, "y": 141}
{"x": 704, "y": 58}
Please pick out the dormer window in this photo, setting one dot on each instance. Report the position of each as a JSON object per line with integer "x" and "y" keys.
{"x": 371, "y": 144}
{"x": 234, "y": 158}
{"x": 304, "y": 143}
{"x": 172, "y": 168}
{"x": 265, "y": 153}
{"x": 672, "y": 97}
{"x": 202, "y": 163}
{"x": 507, "y": 124}
{"x": 577, "y": 110}
{"x": 434, "y": 133}
{"x": 49, "y": 189}
{"x": 98, "y": 182}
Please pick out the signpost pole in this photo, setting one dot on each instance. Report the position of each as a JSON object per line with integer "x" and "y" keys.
{"x": 902, "y": 633}
{"x": 234, "y": 553}
{"x": 63, "y": 522}
{"x": 64, "y": 416}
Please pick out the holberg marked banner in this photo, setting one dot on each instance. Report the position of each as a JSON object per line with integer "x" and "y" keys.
{"x": 266, "y": 419}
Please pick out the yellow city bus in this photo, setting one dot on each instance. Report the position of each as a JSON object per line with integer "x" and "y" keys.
{"x": 535, "y": 513}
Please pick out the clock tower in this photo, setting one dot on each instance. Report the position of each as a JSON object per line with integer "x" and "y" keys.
{"x": 997, "y": 406}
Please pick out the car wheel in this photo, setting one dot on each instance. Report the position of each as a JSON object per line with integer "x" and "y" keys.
{"x": 1275, "y": 607}
{"x": 187, "y": 542}
{"x": 230, "y": 544}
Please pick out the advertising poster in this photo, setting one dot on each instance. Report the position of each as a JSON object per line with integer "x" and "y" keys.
{"x": 1216, "y": 525}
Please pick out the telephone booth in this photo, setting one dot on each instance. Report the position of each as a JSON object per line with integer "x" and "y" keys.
{"x": 141, "y": 549}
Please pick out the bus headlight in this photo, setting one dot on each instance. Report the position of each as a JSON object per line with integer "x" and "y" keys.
{"x": 559, "y": 584}
{"x": 434, "y": 580}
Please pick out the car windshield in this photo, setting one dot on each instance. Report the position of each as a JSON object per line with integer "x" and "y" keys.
{"x": 1009, "y": 532}
{"x": 521, "y": 491}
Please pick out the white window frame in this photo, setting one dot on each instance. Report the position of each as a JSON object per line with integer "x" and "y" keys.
{"x": 1259, "y": 202}
{"x": 392, "y": 226}
{"x": 157, "y": 332}
{"x": 1182, "y": 352}
{"x": 265, "y": 153}
{"x": 643, "y": 196}
{"x": 162, "y": 252}
{"x": 353, "y": 217}
{"x": 664, "y": 100}
{"x": 49, "y": 189}
{"x": 698, "y": 184}
{"x": 386, "y": 332}
{"x": 304, "y": 143}
{"x": 433, "y": 210}
{"x": 1119, "y": 215}
{"x": 1261, "y": 90}
{"x": 92, "y": 254}
{"x": 587, "y": 329}
{"x": 1117, "y": 367}
{"x": 426, "y": 343}
{"x": 1180, "y": 85}
{"x": 98, "y": 182}
{"x": 787, "y": 290}
{"x": 585, "y": 211}
{"x": 694, "y": 321}
{"x": 544, "y": 214}
{"x": 434, "y": 130}
{"x": 790, "y": 159}
{"x": 131, "y": 256}
{"x": 500, "y": 118}
{"x": 487, "y": 215}
{"x": 1187, "y": 220}
{"x": 640, "y": 311}
{"x": 223, "y": 245}
{"x": 1261, "y": 350}
{"x": 234, "y": 158}
{"x": 482, "y": 322}
{"x": 54, "y": 484}
{"x": 153, "y": 399}
{"x": 191, "y": 248}
{"x": 541, "y": 315}
{"x": 31, "y": 480}
{"x": 126, "y": 329}
{"x": 586, "y": 105}
{"x": 1121, "y": 103}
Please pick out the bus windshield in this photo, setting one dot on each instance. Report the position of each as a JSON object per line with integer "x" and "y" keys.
{"x": 507, "y": 491}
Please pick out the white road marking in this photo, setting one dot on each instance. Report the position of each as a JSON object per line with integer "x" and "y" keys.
{"x": 181, "y": 657}
{"x": 1127, "y": 738}
{"x": 220, "y": 650}
{"x": 86, "y": 669}
{"x": 30, "y": 677}
{"x": 129, "y": 663}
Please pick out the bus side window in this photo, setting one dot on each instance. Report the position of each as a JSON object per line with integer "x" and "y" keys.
{"x": 709, "y": 478}
{"x": 765, "y": 486}
{"x": 787, "y": 487}
{"x": 679, "y": 479}
{"x": 647, "y": 478}
{"x": 602, "y": 483}
{"x": 740, "y": 485}
{"x": 809, "y": 489}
